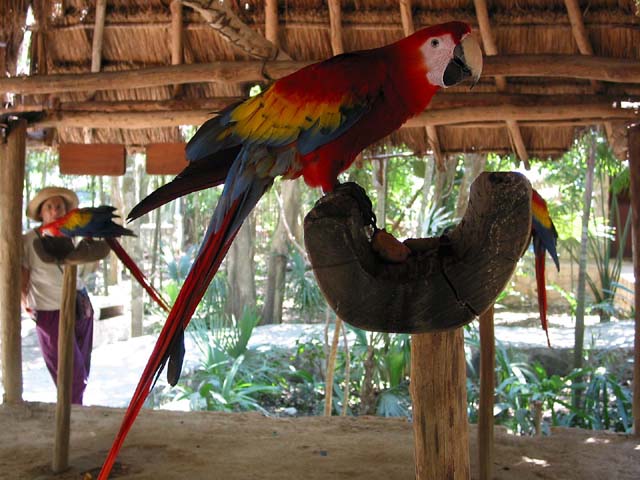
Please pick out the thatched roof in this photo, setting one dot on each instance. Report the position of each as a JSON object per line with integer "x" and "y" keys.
{"x": 137, "y": 34}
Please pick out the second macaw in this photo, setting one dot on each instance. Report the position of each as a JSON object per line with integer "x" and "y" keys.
{"x": 312, "y": 123}
{"x": 545, "y": 238}
{"x": 97, "y": 222}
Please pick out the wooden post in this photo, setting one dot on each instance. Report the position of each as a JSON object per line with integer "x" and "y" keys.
{"x": 439, "y": 392}
{"x": 487, "y": 389}
{"x": 65, "y": 369}
{"x": 12, "y": 161}
{"x": 634, "y": 167}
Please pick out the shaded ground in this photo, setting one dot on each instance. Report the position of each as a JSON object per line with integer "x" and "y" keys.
{"x": 205, "y": 445}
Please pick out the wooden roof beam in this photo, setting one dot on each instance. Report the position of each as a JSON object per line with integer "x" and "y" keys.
{"x": 432, "y": 133}
{"x": 617, "y": 70}
{"x": 491, "y": 49}
{"x": 96, "y": 53}
{"x": 335, "y": 26}
{"x": 221, "y": 18}
{"x": 213, "y": 104}
{"x": 176, "y": 35}
{"x": 407, "y": 17}
{"x": 585, "y": 48}
{"x": 599, "y": 111}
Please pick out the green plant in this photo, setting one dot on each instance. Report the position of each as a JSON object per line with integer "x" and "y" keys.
{"x": 608, "y": 268}
{"x": 303, "y": 288}
{"x": 224, "y": 387}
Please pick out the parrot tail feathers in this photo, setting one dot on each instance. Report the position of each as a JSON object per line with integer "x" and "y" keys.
{"x": 223, "y": 228}
{"x": 128, "y": 262}
{"x": 541, "y": 285}
{"x": 205, "y": 173}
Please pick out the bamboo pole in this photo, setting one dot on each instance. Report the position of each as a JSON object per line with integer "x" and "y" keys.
{"x": 487, "y": 390}
{"x": 634, "y": 167}
{"x": 12, "y": 162}
{"x": 66, "y": 330}
{"x": 438, "y": 389}
{"x": 617, "y": 70}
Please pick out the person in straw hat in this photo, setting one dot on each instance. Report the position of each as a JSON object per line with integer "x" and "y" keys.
{"x": 42, "y": 289}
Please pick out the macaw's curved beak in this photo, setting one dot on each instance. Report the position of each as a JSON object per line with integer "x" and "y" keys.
{"x": 466, "y": 63}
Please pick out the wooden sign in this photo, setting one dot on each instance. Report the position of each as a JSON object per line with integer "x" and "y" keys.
{"x": 92, "y": 159}
{"x": 166, "y": 158}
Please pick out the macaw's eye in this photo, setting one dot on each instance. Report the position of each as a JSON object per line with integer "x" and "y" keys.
{"x": 435, "y": 42}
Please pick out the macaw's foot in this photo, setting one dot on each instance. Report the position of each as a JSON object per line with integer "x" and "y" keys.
{"x": 360, "y": 196}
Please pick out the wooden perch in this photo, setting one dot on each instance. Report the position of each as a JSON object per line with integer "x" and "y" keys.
{"x": 444, "y": 284}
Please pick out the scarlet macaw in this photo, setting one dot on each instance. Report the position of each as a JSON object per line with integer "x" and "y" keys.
{"x": 312, "y": 123}
{"x": 98, "y": 222}
{"x": 545, "y": 237}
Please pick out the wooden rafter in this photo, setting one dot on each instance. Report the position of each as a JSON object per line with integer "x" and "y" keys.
{"x": 98, "y": 36}
{"x": 584, "y": 47}
{"x": 335, "y": 25}
{"x": 491, "y": 48}
{"x": 213, "y": 104}
{"x": 571, "y": 66}
{"x": 407, "y": 17}
{"x": 598, "y": 111}
{"x": 432, "y": 134}
{"x": 271, "y": 22}
{"x": 177, "y": 53}
{"x": 96, "y": 53}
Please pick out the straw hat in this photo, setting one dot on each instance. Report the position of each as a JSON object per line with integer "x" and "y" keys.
{"x": 33, "y": 208}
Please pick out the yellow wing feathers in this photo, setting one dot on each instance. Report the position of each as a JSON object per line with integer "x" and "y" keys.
{"x": 273, "y": 118}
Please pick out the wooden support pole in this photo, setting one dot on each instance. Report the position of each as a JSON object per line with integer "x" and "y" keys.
{"x": 66, "y": 330}
{"x": 487, "y": 390}
{"x": 634, "y": 167}
{"x": 568, "y": 66}
{"x": 12, "y": 161}
{"x": 439, "y": 393}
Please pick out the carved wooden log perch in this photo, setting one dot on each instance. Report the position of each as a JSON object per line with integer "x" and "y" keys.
{"x": 445, "y": 283}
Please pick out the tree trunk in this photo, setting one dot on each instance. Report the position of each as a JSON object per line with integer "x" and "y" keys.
{"x": 380, "y": 183}
{"x": 274, "y": 297}
{"x": 104, "y": 263}
{"x": 130, "y": 195}
{"x": 444, "y": 181}
{"x": 429, "y": 165}
{"x": 582, "y": 267}
{"x": 240, "y": 268}
{"x": 474, "y": 165}
{"x": 116, "y": 201}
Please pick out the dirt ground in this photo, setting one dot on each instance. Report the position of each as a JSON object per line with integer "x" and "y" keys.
{"x": 202, "y": 445}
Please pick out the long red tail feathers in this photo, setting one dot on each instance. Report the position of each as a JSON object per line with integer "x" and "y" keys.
{"x": 203, "y": 269}
{"x": 137, "y": 273}
{"x": 542, "y": 292}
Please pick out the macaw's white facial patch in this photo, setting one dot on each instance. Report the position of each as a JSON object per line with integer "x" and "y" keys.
{"x": 437, "y": 53}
